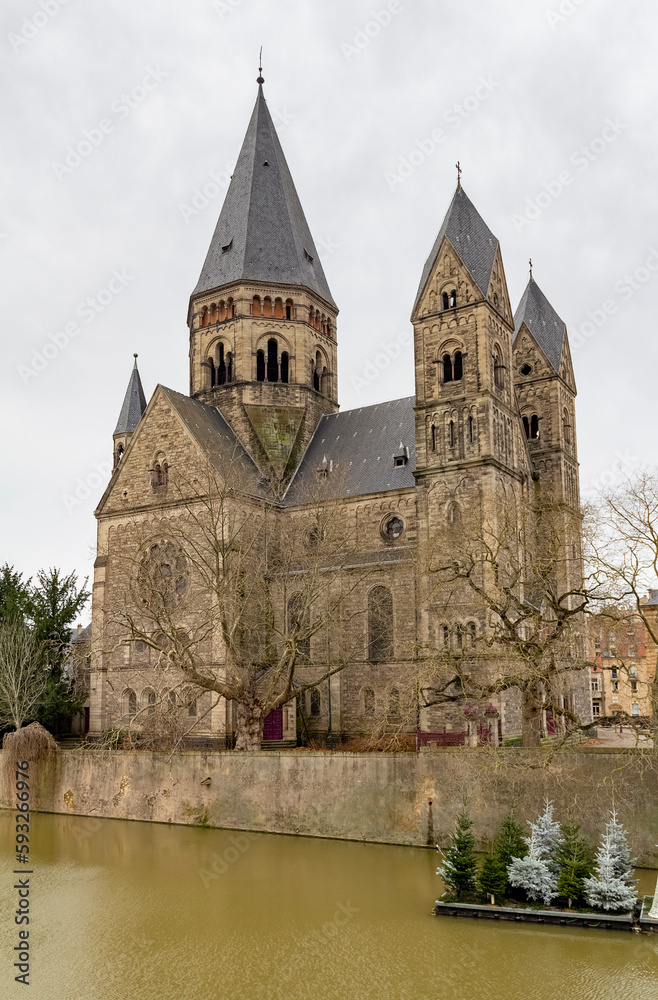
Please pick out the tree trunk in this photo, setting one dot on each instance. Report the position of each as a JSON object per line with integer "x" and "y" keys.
{"x": 531, "y": 724}
{"x": 249, "y": 725}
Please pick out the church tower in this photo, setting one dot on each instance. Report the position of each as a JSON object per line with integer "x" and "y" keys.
{"x": 466, "y": 413}
{"x": 134, "y": 404}
{"x": 262, "y": 319}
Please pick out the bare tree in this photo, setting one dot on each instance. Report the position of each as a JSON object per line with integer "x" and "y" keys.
{"x": 23, "y": 676}
{"x": 625, "y": 554}
{"x": 236, "y": 599}
{"x": 507, "y": 599}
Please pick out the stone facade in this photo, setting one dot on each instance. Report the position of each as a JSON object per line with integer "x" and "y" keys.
{"x": 493, "y": 412}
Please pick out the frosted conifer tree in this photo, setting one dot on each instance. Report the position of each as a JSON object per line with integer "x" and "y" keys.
{"x": 620, "y": 852}
{"x": 533, "y": 874}
{"x": 606, "y": 890}
{"x": 547, "y": 836}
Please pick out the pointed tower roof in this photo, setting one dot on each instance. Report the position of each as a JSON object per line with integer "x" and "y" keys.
{"x": 262, "y": 233}
{"x": 543, "y": 322}
{"x": 471, "y": 239}
{"x": 134, "y": 404}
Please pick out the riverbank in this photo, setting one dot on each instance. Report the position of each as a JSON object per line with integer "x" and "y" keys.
{"x": 392, "y": 798}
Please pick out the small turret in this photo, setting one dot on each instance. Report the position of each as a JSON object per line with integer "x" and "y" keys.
{"x": 134, "y": 404}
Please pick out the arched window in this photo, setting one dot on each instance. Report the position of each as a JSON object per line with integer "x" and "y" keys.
{"x": 451, "y": 433}
{"x": 211, "y": 369}
{"x": 368, "y": 701}
{"x": 222, "y": 311}
{"x": 130, "y": 702}
{"x": 289, "y": 308}
{"x": 380, "y": 624}
{"x": 453, "y": 298}
{"x": 566, "y": 426}
{"x": 454, "y": 513}
{"x": 229, "y": 367}
{"x": 471, "y": 430}
{"x": 278, "y": 308}
{"x": 534, "y": 427}
{"x": 298, "y": 620}
{"x": 272, "y": 361}
{"x": 267, "y": 307}
{"x": 433, "y": 438}
{"x": 471, "y": 634}
{"x": 213, "y": 313}
{"x": 221, "y": 365}
{"x": 311, "y": 316}
{"x": 255, "y": 306}
{"x": 394, "y": 702}
{"x": 447, "y": 368}
{"x": 205, "y": 316}
{"x": 459, "y": 366}
{"x": 118, "y": 456}
{"x": 171, "y": 697}
{"x": 445, "y": 300}
{"x": 324, "y": 381}
{"x": 150, "y": 701}
{"x": 260, "y": 366}
{"x": 315, "y": 701}
{"x": 317, "y": 372}
{"x": 191, "y": 707}
{"x": 230, "y": 309}
{"x": 459, "y": 637}
{"x": 160, "y": 472}
{"x": 329, "y": 328}
{"x": 526, "y": 427}
{"x": 445, "y": 633}
{"x": 284, "y": 366}
{"x": 499, "y": 370}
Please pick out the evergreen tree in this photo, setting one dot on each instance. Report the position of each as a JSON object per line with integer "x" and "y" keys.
{"x": 620, "y": 852}
{"x": 606, "y": 890}
{"x": 14, "y": 594}
{"x": 492, "y": 879}
{"x": 533, "y": 874}
{"x": 547, "y": 837}
{"x": 459, "y": 868}
{"x": 575, "y": 860}
{"x": 509, "y": 844}
{"x": 55, "y": 603}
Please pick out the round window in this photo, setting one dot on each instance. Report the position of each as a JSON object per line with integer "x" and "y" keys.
{"x": 393, "y": 528}
{"x": 526, "y": 369}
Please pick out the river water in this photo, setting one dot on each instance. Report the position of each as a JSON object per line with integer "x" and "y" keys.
{"x": 134, "y": 911}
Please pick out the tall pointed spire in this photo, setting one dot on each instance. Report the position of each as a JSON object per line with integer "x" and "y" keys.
{"x": 262, "y": 234}
{"x": 543, "y": 322}
{"x": 471, "y": 239}
{"x": 134, "y": 404}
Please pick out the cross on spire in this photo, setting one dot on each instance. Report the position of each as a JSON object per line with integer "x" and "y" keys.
{"x": 260, "y": 67}
{"x": 459, "y": 174}
{"x": 530, "y": 263}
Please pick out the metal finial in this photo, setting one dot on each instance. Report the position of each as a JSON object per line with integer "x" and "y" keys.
{"x": 260, "y": 67}
{"x": 135, "y": 357}
{"x": 530, "y": 262}
{"x": 459, "y": 175}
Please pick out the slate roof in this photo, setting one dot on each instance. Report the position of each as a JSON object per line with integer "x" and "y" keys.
{"x": 134, "y": 404}
{"x": 543, "y": 322}
{"x": 216, "y": 438}
{"x": 358, "y": 449}
{"x": 471, "y": 239}
{"x": 262, "y": 221}
{"x": 653, "y": 599}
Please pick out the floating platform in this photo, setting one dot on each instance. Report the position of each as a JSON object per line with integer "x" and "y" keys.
{"x": 564, "y": 918}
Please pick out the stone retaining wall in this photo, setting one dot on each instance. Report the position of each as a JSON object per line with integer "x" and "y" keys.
{"x": 395, "y": 798}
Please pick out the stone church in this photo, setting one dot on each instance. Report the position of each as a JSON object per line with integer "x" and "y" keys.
{"x": 494, "y": 404}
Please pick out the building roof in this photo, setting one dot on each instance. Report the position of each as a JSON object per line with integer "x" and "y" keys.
{"x": 217, "y": 440}
{"x": 84, "y": 635}
{"x": 471, "y": 239}
{"x": 357, "y": 448}
{"x": 543, "y": 322}
{"x": 652, "y": 600}
{"x": 262, "y": 234}
{"x": 134, "y": 404}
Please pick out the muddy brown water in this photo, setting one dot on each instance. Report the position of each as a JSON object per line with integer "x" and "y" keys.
{"x": 137, "y": 911}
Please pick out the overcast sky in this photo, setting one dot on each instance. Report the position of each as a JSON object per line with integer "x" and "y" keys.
{"x": 548, "y": 104}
